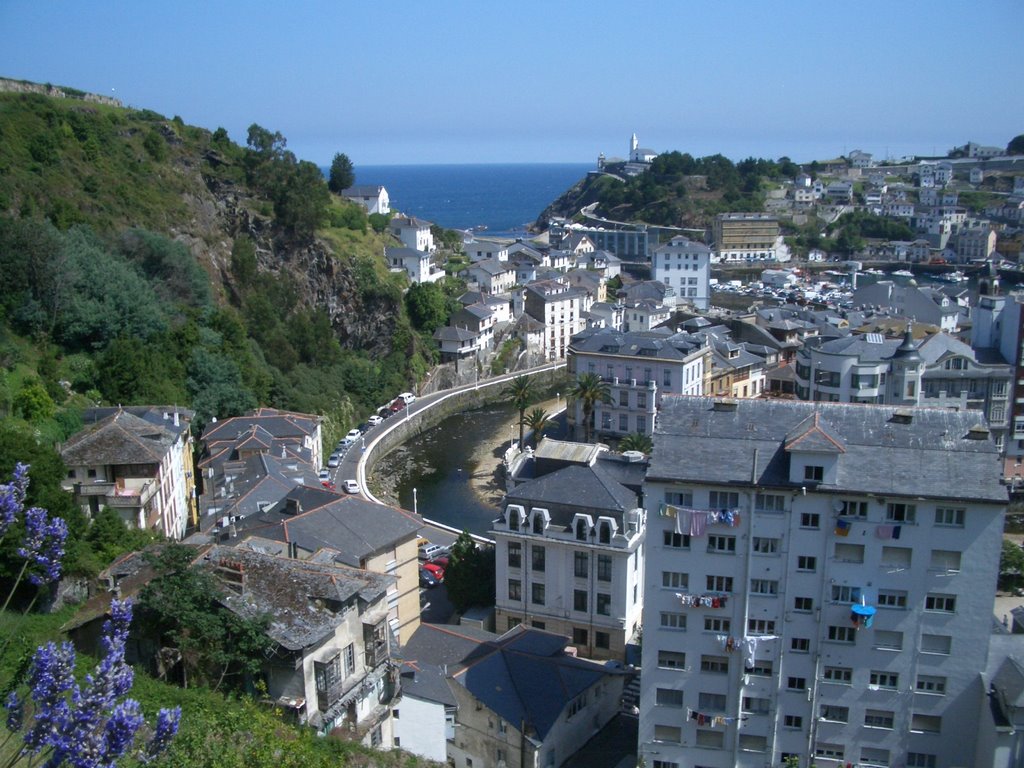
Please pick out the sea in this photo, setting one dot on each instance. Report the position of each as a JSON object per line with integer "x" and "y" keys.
{"x": 496, "y": 199}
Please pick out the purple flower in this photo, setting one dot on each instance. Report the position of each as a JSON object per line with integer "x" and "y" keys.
{"x": 12, "y": 497}
{"x": 43, "y": 544}
{"x": 50, "y": 677}
{"x": 167, "y": 721}
{"x": 119, "y": 732}
{"x": 15, "y": 711}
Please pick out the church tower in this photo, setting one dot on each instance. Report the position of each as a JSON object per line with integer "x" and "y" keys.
{"x": 633, "y": 145}
{"x": 907, "y": 368}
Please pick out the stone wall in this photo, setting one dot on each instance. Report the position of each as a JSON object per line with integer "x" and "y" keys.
{"x": 23, "y": 86}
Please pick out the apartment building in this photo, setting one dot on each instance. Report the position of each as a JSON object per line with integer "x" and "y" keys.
{"x": 745, "y": 237}
{"x": 559, "y": 306}
{"x": 568, "y": 546}
{"x": 819, "y": 585}
{"x": 640, "y": 368}
{"x": 685, "y": 266}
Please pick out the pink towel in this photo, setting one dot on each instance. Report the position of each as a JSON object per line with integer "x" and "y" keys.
{"x": 698, "y": 523}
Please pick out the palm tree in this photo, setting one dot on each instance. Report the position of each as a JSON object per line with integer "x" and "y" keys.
{"x": 589, "y": 390}
{"x": 538, "y": 421}
{"x": 520, "y": 393}
{"x": 637, "y": 441}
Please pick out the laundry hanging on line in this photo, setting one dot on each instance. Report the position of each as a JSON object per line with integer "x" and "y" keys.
{"x": 702, "y": 601}
{"x": 694, "y": 522}
{"x": 703, "y": 718}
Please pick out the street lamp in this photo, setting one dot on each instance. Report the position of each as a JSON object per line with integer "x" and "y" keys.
{"x": 415, "y": 504}
{"x": 511, "y": 436}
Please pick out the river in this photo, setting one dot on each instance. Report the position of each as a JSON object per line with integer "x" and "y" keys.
{"x": 455, "y": 468}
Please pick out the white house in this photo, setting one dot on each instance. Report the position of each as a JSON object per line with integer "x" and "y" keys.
{"x": 418, "y": 265}
{"x": 373, "y": 197}
{"x": 414, "y": 233}
{"x": 492, "y": 275}
{"x": 481, "y": 250}
{"x": 559, "y": 307}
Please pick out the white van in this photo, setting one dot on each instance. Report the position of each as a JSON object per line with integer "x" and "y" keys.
{"x": 407, "y": 397}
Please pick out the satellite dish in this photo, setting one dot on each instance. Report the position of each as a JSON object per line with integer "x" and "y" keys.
{"x": 837, "y": 506}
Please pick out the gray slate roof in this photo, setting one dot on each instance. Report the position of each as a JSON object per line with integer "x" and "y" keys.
{"x": 121, "y": 438}
{"x": 931, "y": 457}
{"x": 574, "y": 489}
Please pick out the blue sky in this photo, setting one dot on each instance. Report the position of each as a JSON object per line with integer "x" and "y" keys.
{"x": 538, "y": 81}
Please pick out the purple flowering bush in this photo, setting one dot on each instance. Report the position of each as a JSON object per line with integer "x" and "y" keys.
{"x": 90, "y": 724}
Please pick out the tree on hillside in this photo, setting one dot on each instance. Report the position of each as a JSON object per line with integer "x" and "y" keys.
{"x": 427, "y": 306}
{"x": 589, "y": 390}
{"x": 1016, "y": 145}
{"x": 539, "y": 422}
{"x": 1011, "y": 564}
{"x": 342, "y": 176}
{"x": 520, "y": 392}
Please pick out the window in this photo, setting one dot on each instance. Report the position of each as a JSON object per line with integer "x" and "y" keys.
{"x": 834, "y": 713}
{"x": 842, "y": 634}
{"x": 716, "y": 624}
{"x": 750, "y": 743}
{"x": 854, "y": 509}
{"x": 878, "y": 718}
{"x": 581, "y": 529}
{"x": 765, "y": 546}
{"x": 841, "y": 593}
{"x": 810, "y": 520}
{"x": 796, "y": 683}
{"x": 717, "y": 543}
{"x": 940, "y": 603}
{"x": 710, "y": 739}
{"x": 716, "y": 664}
{"x": 947, "y": 516}
{"x": 932, "y": 684}
{"x": 538, "y": 624}
{"x": 764, "y": 587}
{"x": 760, "y": 627}
{"x": 814, "y": 473}
{"x": 581, "y": 565}
{"x": 849, "y": 553}
{"x": 892, "y": 598}
{"x": 756, "y": 705}
{"x": 604, "y": 604}
{"x": 672, "y": 733}
{"x": 514, "y": 622}
{"x": 803, "y": 604}
{"x": 579, "y": 636}
{"x": 761, "y": 668}
{"x": 670, "y": 620}
{"x": 921, "y": 760}
{"x": 896, "y": 512}
{"x": 925, "y": 723}
{"x": 623, "y": 422}
{"x": 888, "y": 640}
{"x": 793, "y": 721}
{"x": 537, "y": 595}
{"x": 669, "y": 697}
{"x": 604, "y": 567}
{"x": 537, "y": 553}
{"x": 679, "y": 498}
{"x": 515, "y": 589}
{"x": 713, "y": 701}
{"x": 887, "y": 680}
{"x": 675, "y": 580}
{"x": 671, "y": 660}
{"x": 515, "y": 554}
{"x": 676, "y": 540}
{"x": 806, "y": 563}
{"x": 829, "y": 751}
{"x": 874, "y": 757}
{"x": 769, "y": 502}
{"x": 666, "y": 380}
{"x": 538, "y": 523}
{"x": 945, "y": 560}
{"x": 841, "y": 675}
{"x": 896, "y": 557}
{"x": 800, "y": 645}
{"x": 719, "y": 583}
{"x": 938, "y": 644}
{"x": 723, "y": 499}
{"x": 602, "y": 640}
{"x": 579, "y": 600}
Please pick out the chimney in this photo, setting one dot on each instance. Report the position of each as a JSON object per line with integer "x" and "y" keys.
{"x": 293, "y": 506}
{"x": 177, "y": 423}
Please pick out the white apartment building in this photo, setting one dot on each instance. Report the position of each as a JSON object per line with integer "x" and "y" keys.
{"x": 414, "y": 233}
{"x": 559, "y": 306}
{"x": 684, "y": 266}
{"x": 640, "y": 368}
{"x": 820, "y": 584}
{"x": 568, "y": 547}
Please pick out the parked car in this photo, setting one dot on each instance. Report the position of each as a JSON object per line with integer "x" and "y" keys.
{"x": 427, "y": 578}
{"x": 328, "y": 485}
{"x": 396, "y": 405}
{"x": 350, "y": 486}
{"x": 334, "y": 461}
{"x": 430, "y": 551}
{"x": 374, "y": 420}
{"x": 441, "y": 560}
{"x": 324, "y": 474}
{"x": 353, "y": 435}
{"x": 435, "y": 570}
{"x": 407, "y": 398}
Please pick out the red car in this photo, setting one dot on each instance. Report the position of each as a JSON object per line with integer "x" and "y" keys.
{"x": 441, "y": 560}
{"x": 396, "y": 405}
{"x": 435, "y": 570}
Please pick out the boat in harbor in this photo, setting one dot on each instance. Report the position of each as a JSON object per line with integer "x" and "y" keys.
{"x": 952, "y": 277}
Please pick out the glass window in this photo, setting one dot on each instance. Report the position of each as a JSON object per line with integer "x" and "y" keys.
{"x": 671, "y": 660}
{"x": 604, "y": 604}
{"x": 537, "y": 597}
{"x": 841, "y": 675}
{"x": 537, "y": 553}
{"x": 669, "y": 697}
{"x": 515, "y": 591}
{"x": 581, "y": 564}
{"x": 671, "y": 620}
{"x": 803, "y": 604}
{"x": 604, "y": 567}
{"x": 714, "y": 664}
{"x": 878, "y": 718}
{"x": 883, "y": 679}
{"x": 950, "y": 517}
{"x": 515, "y": 554}
{"x": 579, "y": 600}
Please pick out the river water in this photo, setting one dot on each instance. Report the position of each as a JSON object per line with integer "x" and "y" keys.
{"x": 455, "y": 468}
